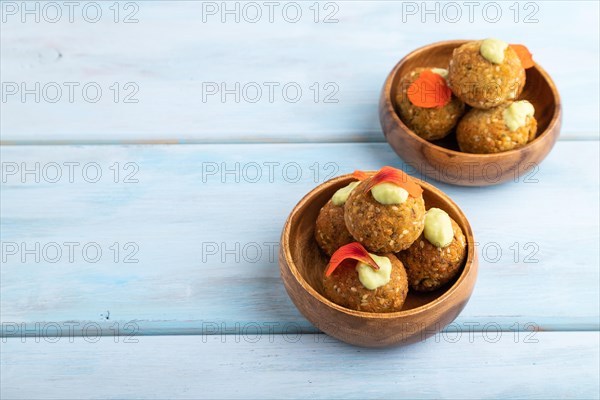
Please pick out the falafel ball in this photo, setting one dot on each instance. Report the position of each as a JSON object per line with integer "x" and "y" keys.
{"x": 383, "y": 228}
{"x": 430, "y": 267}
{"x": 499, "y": 129}
{"x": 486, "y": 73}
{"x": 344, "y": 287}
{"x": 330, "y": 230}
{"x": 429, "y": 123}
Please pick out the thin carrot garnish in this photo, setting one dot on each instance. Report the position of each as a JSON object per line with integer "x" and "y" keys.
{"x": 351, "y": 251}
{"x": 429, "y": 90}
{"x": 524, "y": 55}
{"x": 397, "y": 177}
{"x": 360, "y": 175}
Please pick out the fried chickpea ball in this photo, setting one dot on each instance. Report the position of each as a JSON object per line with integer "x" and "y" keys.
{"x": 343, "y": 287}
{"x": 330, "y": 229}
{"x": 498, "y": 129}
{"x": 430, "y": 267}
{"x": 383, "y": 228}
{"x": 429, "y": 123}
{"x": 482, "y": 83}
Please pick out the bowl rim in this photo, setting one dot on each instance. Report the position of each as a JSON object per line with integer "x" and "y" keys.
{"x": 389, "y": 104}
{"x": 470, "y": 262}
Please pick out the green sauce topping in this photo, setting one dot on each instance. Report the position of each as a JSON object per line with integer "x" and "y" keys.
{"x": 438, "y": 228}
{"x": 388, "y": 193}
{"x": 441, "y": 72}
{"x": 493, "y": 50}
{"x": 515, "y": 115}
{"x": 340, "y": 197}
{"x": 372, "y": 279}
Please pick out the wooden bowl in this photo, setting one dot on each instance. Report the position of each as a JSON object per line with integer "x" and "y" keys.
{"x": 302, "y": 265}
{"x": 442, "y": 159}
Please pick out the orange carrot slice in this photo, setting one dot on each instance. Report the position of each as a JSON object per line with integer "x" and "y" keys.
{"x": 351, "y": 251}
{"x": 429, "y": 90}
{"x": 360, "y": 175}
{"x": 397, "y": 177}
{"x": 524, "y": 55}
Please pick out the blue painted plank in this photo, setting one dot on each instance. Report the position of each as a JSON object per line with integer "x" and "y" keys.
{"x": 204, "y": 229}
{"x": 547, "y": 365}
{"x": 170, "y": 58}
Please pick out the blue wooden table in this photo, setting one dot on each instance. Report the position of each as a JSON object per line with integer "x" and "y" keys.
{"x": 152, "y": 151}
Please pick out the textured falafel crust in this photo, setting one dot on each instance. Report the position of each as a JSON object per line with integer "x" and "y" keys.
{"x": 383, "y": 228}
{"x": 344, "y": 288}
{"x": 481, "y": 83}
{"x": 429, "y": 267}
{"x": 485, "y": 132}
{"x": 429, "y": 123}
{"x": 330, "y": 229}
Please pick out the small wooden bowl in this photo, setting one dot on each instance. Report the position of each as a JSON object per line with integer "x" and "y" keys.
{"x": 302, "y": 265}
{"x": 442, "y": 159}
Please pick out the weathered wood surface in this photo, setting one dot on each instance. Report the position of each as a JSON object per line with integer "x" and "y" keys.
{"x": 546, "y": 365}
{"x": 171, "y": 57}
{"x": 206, "y": 239}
